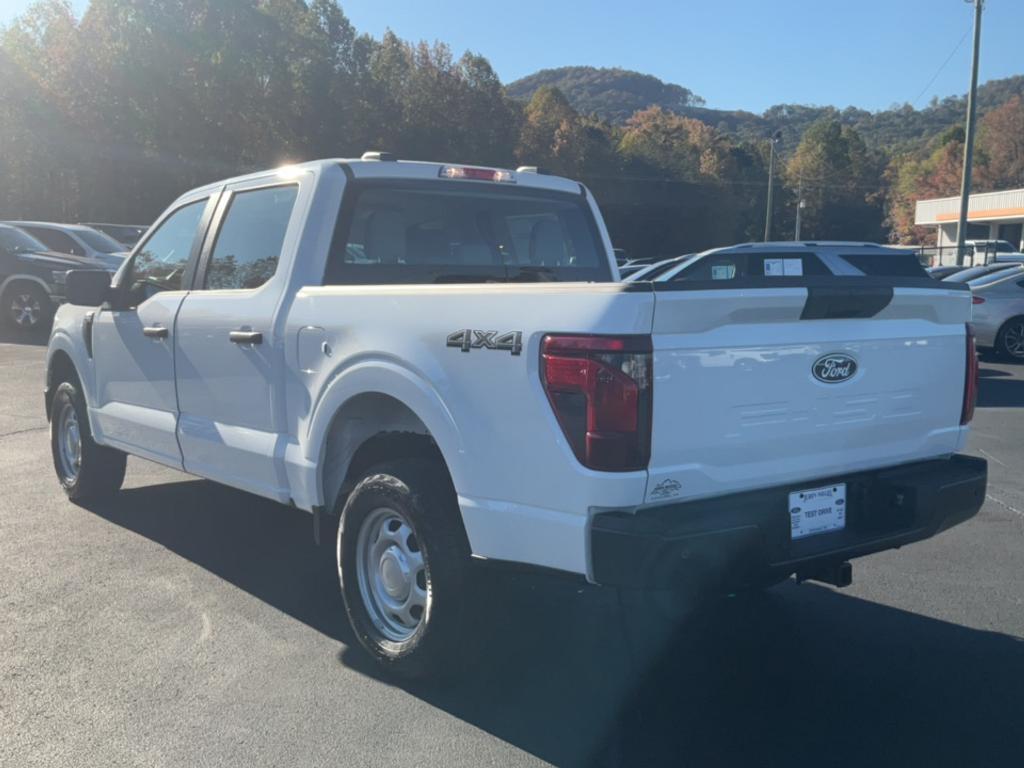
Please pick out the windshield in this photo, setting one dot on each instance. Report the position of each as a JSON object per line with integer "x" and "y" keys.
{"x": 98, "y": 241}
{"x": 15, "y": 240}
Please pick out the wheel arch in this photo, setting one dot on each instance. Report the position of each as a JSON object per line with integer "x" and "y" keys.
{"x": 374, "y": 412}
{"x": 62, "y": 359}
{"x": 23, "y": 278}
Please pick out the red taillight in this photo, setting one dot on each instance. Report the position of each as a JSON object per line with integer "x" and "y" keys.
{"x": 970, "y": 380}
{"x": 977, "y": 300}
{"x": 600, "y": 390}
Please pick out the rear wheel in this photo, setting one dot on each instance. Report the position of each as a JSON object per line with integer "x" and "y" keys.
{"x": 402, "y": 557}
{"x": 1010, "y": 340}
{"x": 26, "y": 307}
{"x": 85, "y": 470}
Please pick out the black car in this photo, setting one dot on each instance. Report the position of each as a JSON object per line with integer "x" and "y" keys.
{"x": 31, "y": 279}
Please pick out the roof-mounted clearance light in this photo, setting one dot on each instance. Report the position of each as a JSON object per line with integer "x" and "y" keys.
{"x": 477, "y": 174}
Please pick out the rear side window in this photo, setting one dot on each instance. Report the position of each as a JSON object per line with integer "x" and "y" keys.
{"x": 730, "y": 266}
{"x": 249, "y": 241}
{"x": 887, "y": 264}
{"x": 56, "y": 241}
{"x": 464, "y": 232}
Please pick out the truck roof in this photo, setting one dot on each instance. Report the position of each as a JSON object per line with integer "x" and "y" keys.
{"x": 369, "y": 166}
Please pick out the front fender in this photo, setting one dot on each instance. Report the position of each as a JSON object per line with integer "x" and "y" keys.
{"x": 66, "y": 337}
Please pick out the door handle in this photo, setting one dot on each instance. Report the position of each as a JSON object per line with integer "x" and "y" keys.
{"x": 246, "y": 337}
{"x": 154, "y": 332}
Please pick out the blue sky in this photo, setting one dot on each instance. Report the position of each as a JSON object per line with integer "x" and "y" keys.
{"x": 746, "y": 54}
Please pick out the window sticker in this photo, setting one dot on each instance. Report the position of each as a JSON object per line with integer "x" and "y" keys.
{"x": 793, "y": 267}
{"x": 774, "y": 268}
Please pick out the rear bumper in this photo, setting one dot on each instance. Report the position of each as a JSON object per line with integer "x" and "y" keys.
{"x": 743, "y": 539}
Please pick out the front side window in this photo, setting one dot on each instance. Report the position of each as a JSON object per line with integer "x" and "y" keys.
{"x": 466, "y": 232}
{"x": 162, "y": 261}
{"x": 248, "y": 245}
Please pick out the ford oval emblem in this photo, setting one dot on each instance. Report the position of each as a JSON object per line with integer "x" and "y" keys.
{"x": 834, "y": 368}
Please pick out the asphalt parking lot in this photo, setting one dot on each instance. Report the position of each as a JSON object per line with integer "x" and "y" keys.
{"x": 187, "y": 624}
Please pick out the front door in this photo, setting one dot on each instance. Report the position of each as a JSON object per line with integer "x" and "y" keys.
{"x": 136, "y": 406}
{"x": 229, "y": 356}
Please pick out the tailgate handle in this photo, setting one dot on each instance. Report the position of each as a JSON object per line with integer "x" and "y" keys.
{"x": 246, "y": 337}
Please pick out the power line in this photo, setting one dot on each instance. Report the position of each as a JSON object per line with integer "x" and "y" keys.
{"x": 941, "y": 67}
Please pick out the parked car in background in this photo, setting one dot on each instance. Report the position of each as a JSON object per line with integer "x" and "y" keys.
{"x": 967, "y": 274}
{"x": 652, "y": 271}
{"x": 126, "y": 234}
{"x": 988, "y": 251}
{"x": 31, "y": 279}
{"x": 941, "y": 273}
{"x": 993, "y": 276}
{"x": 998, "y": 319}
{"x": 796, "y": 259}
{"x": 76, "y": 240}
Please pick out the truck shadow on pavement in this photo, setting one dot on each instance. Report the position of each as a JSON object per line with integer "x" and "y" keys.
{"x": 800, "y": 675}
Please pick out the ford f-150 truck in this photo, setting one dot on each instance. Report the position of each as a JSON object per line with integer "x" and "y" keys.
{"x": 442, "y": 356}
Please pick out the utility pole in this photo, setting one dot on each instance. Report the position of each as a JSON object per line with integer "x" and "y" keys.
{"x": 773, "y": 139}
{"x": 965, "y": 180}
{"x": 799, "y": 209}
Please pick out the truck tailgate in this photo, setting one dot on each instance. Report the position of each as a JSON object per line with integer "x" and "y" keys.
{"x": 780, "y": 383}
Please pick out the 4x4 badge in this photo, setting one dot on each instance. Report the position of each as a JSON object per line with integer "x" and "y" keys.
{"x": 467, "y": 339}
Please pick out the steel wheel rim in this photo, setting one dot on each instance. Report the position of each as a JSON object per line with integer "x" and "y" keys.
{"x": 1013, "y": 339}
{"x": 25, "y": 310}
{"x": 392, "y": 574}
{"x": 69, "y": 443}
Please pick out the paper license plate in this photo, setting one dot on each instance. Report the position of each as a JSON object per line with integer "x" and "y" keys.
{"x": 817, "y": 510}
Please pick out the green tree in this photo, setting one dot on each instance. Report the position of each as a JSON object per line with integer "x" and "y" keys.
{"x": 839, "y": 178}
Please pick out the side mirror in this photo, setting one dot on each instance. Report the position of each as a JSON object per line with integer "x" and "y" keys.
{"x": 87, "y": 287}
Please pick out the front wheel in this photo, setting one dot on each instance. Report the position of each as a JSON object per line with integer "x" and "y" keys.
{"x": 85, "y": 470}
{"x": 402, "y": 556}
{"x": 1010, "y": 339}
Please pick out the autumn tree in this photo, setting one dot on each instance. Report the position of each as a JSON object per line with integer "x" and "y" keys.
{"x": 838, "y": 176}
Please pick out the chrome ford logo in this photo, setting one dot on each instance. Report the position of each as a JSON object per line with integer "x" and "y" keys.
{"x": 834, "y": 368}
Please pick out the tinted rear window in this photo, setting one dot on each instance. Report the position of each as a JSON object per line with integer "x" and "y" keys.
{"x": 887, "y": 264}
{"x": 436, "y": 232}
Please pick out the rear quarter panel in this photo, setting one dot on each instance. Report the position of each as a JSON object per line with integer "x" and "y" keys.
{"x": 523, "y": 494}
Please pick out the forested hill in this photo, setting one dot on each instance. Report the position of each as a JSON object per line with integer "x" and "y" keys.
{"x": 611, "y": 94}
{"x": 615, "y": 94}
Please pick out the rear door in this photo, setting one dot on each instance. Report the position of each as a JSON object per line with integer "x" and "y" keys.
{"x": 229, "y": 352}
{"x": 761, "y": 382}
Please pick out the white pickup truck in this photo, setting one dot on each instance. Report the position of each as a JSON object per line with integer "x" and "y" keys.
{"x": 442, "y": 356}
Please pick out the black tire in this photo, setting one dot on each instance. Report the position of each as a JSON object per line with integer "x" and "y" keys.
{"x": 100, "y": 469}
{"x": 26, "y": 307}
{"x": 1012, "y": 329}
{"x": 420, "y": 491}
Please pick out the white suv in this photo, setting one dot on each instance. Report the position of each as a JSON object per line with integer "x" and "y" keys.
{"x": 795, "y": 259}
